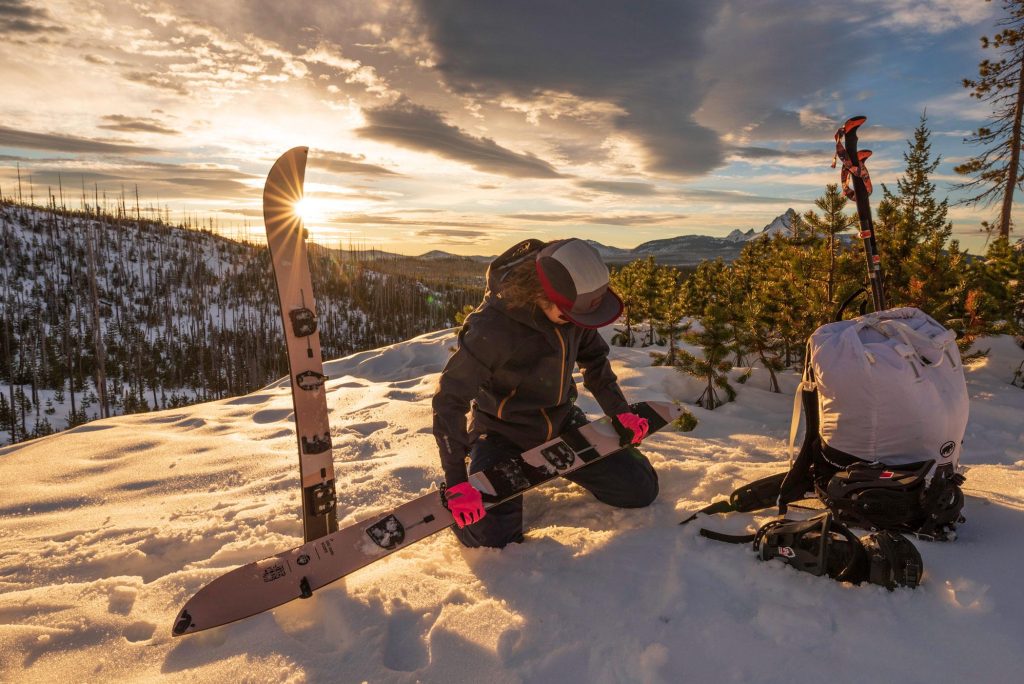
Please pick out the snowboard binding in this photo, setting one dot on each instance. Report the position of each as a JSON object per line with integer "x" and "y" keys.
{"x": 823, "y": 546}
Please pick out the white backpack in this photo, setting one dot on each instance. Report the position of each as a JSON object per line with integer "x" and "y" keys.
{"x": 891, "y": 388}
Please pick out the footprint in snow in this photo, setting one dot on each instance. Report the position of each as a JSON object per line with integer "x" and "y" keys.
{"x": 260, "y": 398}
{"x": 139, "y": 630}
{"x": 405, "y": 646}
{"x": 271, "y": 415}
{"x": 367, "y": 429}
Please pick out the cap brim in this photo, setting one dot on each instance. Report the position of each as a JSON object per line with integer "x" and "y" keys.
{"x": 607, "y": 312}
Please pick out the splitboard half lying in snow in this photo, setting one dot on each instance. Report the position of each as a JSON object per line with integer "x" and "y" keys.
{"x": 286, "y": 237}
{"x": 266, "y": 584}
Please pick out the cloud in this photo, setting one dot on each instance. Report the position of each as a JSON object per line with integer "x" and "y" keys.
{"x": 128, "y": 124}
{"x": 156, "y": 80}
{"x": 213, "y": 187}
{"x": 10, "y": 137}
{"x": 342, "y": 163}
{"x": 577, "y": 150}
{"x": 638, "y": 56}
{"x": 632, "y": 188}
{"x": 329, "y": 54}
{"x": 67, "y": 178}
{"x": 356, "y": 192}
{"x": 768, "y": 70}
{"x": 637, "y": 189}
{"x": 387, "y": 220}
{"x": 216, "y": 51}
{"x": 98, "y": 59}
{"x": 452, "y": 233}
{"x": 597, "y": 218}
{"x": 772, "y": 124}
{"x": 20, "y": 17}
{"x": 933, "y": 16}
{"x": 154, "y": 180}
{"x": 770, "y": 153}
{"x": 733, "y": 197}
{"x": 412, "y": 126}
{"x": 688, "y": 82}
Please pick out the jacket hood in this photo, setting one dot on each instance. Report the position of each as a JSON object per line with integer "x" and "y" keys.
{"x": 507, "y": 260}
{"x": 500, "y": 268}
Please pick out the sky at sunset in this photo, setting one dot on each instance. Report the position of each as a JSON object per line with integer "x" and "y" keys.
{"x": 466, "y": 126}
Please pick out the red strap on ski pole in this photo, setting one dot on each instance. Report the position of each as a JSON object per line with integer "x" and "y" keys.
{"x": 857, "y": 186}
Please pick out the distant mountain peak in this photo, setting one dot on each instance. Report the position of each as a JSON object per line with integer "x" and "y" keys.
{"x": 781, "y": 225}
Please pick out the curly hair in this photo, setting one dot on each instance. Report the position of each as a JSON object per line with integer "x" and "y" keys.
{"x": 521, "y": 288}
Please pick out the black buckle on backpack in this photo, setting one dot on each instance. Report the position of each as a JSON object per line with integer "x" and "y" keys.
{"x": 877, "y": 496}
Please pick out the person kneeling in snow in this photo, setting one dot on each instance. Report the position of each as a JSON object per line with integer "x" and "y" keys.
{"x": 514, "y": 369}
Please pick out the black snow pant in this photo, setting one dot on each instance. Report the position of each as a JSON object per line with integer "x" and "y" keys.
{"x": 625, "y": 479}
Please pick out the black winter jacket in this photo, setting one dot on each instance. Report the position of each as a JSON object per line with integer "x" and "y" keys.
{"x": 513, "y": 372}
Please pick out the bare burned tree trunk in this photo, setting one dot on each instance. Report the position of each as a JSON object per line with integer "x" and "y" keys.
{"x": 1012, "y": 170}
{"x": 1000, "y": 81}
{"x": 101, "y": 372}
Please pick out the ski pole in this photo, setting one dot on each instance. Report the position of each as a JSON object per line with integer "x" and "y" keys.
{"x": 857, "y": 186}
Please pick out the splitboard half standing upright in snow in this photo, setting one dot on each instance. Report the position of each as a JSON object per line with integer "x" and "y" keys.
{"x": 286, "y": 237}
{"x": 271, "y": 582}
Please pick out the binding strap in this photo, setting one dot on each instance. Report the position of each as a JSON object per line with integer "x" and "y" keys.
{"x": 727, "y": 538}
{"x": 823, "y": 546}
{"x": 755, "y": 496}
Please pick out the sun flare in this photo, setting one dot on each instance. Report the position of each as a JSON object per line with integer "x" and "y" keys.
{"x": 307, "y": 210}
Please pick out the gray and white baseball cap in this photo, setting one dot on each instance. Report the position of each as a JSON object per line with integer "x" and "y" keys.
{"x": 575, "y": 278}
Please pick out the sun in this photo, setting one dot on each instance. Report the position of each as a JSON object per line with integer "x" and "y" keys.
{"x": 308, "y": 210}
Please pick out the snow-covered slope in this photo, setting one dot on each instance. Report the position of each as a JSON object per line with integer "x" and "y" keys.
{"x": 107, "y": 529}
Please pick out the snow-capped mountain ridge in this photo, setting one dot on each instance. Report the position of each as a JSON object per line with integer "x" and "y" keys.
{"x": 690, "y": 250}
{"x": 682, "y": 250}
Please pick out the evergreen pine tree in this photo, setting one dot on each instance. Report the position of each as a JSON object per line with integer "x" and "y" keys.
{"x": 837, "y": 262}
{"x": 994, "y": 302}
{"x": 668, "y": 313}
{"x": 706, "y": 296}
{"x": 765, "y": 310}
{"x": 714, "y": 339}
{"x": 922, "y": 264}
{"x": 704, "y": 286}
{"x": 631, "y": 283}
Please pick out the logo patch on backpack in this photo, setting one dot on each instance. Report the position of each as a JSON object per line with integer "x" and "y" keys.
{"x": 947, "y": 449}
{"x": 886, "y": 475}
{"x": 787, "y": 552}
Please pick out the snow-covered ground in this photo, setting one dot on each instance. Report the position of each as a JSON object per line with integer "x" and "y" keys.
{"x": 107, "y": 529}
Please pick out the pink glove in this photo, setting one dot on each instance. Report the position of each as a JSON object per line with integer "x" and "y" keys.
{"x": 633, "y": 424}
{"x": 465, "y": 503}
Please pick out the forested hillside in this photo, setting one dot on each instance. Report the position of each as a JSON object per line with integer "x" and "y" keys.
{"x": 182, "y": 315}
